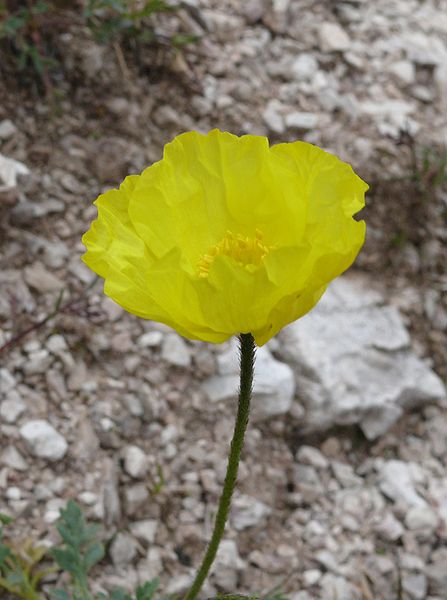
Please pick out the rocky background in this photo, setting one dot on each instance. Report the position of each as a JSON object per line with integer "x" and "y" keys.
{"x": 343, "y": 485}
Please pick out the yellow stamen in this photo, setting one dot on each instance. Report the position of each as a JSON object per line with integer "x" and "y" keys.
{"x": 243, "y": 249}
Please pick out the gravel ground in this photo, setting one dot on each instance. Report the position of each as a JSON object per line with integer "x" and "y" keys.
{"x": 112, "y": 411}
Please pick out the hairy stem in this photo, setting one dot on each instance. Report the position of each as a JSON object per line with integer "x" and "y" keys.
{"x": 247, "y": 347}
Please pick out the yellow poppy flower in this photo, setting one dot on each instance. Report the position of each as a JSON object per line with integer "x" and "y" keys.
{"x": 227, "y": 235}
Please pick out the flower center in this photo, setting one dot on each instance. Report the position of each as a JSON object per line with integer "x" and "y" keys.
{"x": 247, "y": 251}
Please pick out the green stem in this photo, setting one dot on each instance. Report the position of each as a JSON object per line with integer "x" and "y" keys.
{"x": 246, "y": 382}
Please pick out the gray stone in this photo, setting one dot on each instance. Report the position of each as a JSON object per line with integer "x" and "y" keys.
{"x": 332, "y": 38}
{"x": 304, "y": 67}
{"x": 11, "y": 171}
{"x": 301, "y": 120}
{"x": 273, "y": 118}
{"x": 438, "y": 496}
{"x": 415, "y": 585}
{"x": 12, "y": 407}
{"x": 273, "y": 388}
{"x": 306, "y": 475}
{"x": 111, "y": 503}
{"x": 135, "y": 462}
{"x": 152, "y": 566}
{"x": 421, "y": 518}
{"x": 40, "y": 279}
{"x": 11, "y": 457}
{"x": 7, "y": 382}
{"x": 394, "y": 115}
{"x": 87, "y": 443}
{"x": 441, "y": 83}
{"x": 179, "y": 584}
{"x": 335, "y": 586}
{"x": 175, "y": 351}
{"x": 397, "y": 482}
{"x": 228, "y": 563}
{"x": 38, "y": 362}
{"x": 423, "y": 49}
{"x": 92, "y": 58}
{"x": 353, "y": 362}
{"x": 411, "y": 562}
{"x": 166, "y": 115}
{"x": 436, "y": 572}
{"x": 123, "y": 550}
{"x": 309, "y": 455}
{"x": 88, "y": 498}
{"x": 7, "y": 129}
{"x": 150, "y": 339}
{"x": 43, "y": 440}
{"x": 247, "y": 512}
{"x": 253, "y": 10}
{"x": 56, "y": 343}
{"x": 53, "y": 510}
{"x": 389, "y": 528}
{"x": 324, "y": 557}
{"x": 111, "y": 308}
{"x": 277, "y": 16}
{"x": 134, "y": 405}
{"x": 25, "y": 212}
{"x": 404, "y": 70}
{"x": 145, "y": 531}
{"x": 13, "y": 493}
{"x": 135, "y": 497}
{"x": 345, "y": 475}
{"x": 311, "y": 577}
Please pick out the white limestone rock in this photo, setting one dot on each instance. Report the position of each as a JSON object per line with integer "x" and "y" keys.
{"x": 301, "y": 120}
{"x": 228, "y": 563}
{"x": 332, "y": 38}
{"x": 135, "y": 462}
{"x": 353, "y": 362}
{"x": 273, "y": 388}
{"x": 272, "y": 117}
{"x": 42, "y": 280}
{"x": 12, "y": 407}
{"x": 11, "y": 171}
{"x": 43, "y": 440}
{"x": 404, "y": 70}
{"x": 175, "y": 351}
{"x": 421, "y": 518}
{"x": 7, "y": 129}
{"x": 145, "y": 531}
{"x": 247, "y": 511}
{"x": 11, "y": 457}
{"x": 123, "y": 550}
{"x": 397, "y": 482}
{"x": 304, "y": 67}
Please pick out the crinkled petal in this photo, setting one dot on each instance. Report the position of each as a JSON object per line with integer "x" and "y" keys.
{"x": 151, "y": 235}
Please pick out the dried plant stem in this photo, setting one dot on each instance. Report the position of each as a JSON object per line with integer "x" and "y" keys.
{"x": 247, "y": 347}
{"x": 58, "y": 308}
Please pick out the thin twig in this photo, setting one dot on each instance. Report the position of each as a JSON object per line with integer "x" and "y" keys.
{"x": 121, "y": 60}
{"x": 58, "y": 308}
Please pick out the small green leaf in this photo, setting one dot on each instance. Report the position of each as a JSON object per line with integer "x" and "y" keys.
{"x": 5, "y": 553}
{"x": 15, "y": 578}
{"x": 10, "y": 26}
{"x": 119, "y": 594}
{"x": 93, "y": 555}
{"x": 5, "y": 519}
{"x": 67, "y": 559}
{"x": 147, "y": 590}
{"x": 182, "y": 39}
